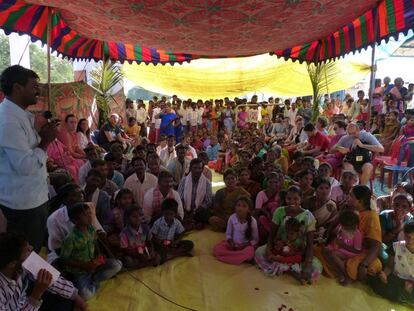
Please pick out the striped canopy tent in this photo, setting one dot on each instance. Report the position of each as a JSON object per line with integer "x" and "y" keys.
{"x": 171, "y": 31}
{"x": 388, "y": 19}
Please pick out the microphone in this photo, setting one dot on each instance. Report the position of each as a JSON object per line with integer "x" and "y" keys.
{"x": 48, "y": 116}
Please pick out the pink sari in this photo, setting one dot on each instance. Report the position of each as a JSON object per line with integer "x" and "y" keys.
{"x": 60, "y": 154}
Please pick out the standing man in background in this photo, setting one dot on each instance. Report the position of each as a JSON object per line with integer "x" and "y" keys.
{"x": 23, "y": 175}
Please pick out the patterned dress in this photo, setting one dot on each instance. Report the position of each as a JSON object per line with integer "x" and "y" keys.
{"x": 275, "y": 267}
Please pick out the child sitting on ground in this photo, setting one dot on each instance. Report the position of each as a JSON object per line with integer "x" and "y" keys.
{"x": 123, "y": 199}
{"x": 168, "y": 232}
{"x": 242, "y": 235}
{"x": 213, "y": 149}
{"x": 347, "y": 244}
{"x": 288, "y": 248}
{"x": 135, "y": 240}
{"x": 396, "y": 281}
{"x": 81, "y": 257}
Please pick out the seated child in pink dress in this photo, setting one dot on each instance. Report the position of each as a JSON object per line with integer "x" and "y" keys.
{"x": 347, "y": 244}
{"x": 135, "y": 240}
{"x": 241, "y": 235}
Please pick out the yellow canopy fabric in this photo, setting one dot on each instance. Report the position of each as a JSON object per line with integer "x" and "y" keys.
{"x": 203, "y": 283}
{"x": 217, "y": 78}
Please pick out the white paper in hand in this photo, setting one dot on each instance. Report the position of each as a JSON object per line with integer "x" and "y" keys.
{"x": 34, "y": 263}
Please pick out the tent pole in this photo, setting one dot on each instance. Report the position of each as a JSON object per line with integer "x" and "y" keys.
{"x": 49, "y": 40}
{"x": 373, "y": 68}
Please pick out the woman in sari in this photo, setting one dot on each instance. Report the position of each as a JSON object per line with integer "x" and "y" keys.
{"x": 61, "y": 155}
{"x": 322, "y": 207}
{"x": 391, "y": 131}
{"x": 359, "y": 266}
{"x": 267, "y": 201}
{"x": 225, "y": 200}
{"x": 308, "y": 268}
{"x": 251, "y": 186}
{"x": 68, "y": 136}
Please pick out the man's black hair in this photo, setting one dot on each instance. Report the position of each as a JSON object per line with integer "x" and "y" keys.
{"x": 309, "y": 127}
{"x": 15, "y": 74}
{"x": 11, "y": 247}
{"x": 76, "y": 210}
{"x": 109, "y": 157}
{"x": 409, "y": 227}
{"x": 169, "y": 205}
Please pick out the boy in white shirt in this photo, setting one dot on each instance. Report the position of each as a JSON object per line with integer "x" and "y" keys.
{"x": 156, "y": 122}
{"x": 200, "y": 111}
{"x": 193, "y": 118}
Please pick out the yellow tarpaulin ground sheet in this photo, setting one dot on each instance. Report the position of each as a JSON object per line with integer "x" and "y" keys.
{"x": 203, "y": 283}
{"x": 213, "y": 78}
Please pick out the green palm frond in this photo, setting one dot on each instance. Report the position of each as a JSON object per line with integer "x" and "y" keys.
{"x": 104, "y": 77}
{"x": 321, "y": 75}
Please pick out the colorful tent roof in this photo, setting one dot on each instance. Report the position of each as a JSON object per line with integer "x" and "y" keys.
{"x": 125, "y": 29}
{"x": 388, "y": 19}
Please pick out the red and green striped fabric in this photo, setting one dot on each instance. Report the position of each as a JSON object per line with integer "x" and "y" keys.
{"x": 393, "y": 16}
{"x": 18, "y": 16}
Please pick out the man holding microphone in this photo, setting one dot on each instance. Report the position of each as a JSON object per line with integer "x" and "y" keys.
{"x": 23, "y": 175}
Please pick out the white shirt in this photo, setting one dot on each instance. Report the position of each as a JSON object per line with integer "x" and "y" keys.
{"x": 184, "y": 115}
{"x": 156, "y": 121}
{"x": 292, "y": 116}
{"x": 138, "y": 189}
{"x": 142, "y": 115}
{"x": 23, "y": 175}
{"x": 82, "y": 140}
{"x": 83, "y": 173}
{"x": 192, "y": 117}
{"x": 148, "y": 198}
{"x": 59, "y": 226}
{"x": 191, "y": 153}
{"x": 200, "y": 112}
{"x": 166, "y": 156}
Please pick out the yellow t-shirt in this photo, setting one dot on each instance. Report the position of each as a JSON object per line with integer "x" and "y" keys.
{"x": 369, "y": 225}
{"x": 132, "y": 131}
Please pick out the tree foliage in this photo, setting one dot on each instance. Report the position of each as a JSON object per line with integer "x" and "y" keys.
{"x": 320, "y": 75}
{"x": 61, "y": 69}
{"x": 104, "y": 78}
{"x": 4, "y": 52}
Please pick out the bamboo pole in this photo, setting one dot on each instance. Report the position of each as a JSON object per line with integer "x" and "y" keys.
{"x": 49, "y": 41}
{"x": 373, "y": 68}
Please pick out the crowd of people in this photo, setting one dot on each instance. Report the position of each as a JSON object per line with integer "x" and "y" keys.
{"x": 295, "y": 198}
